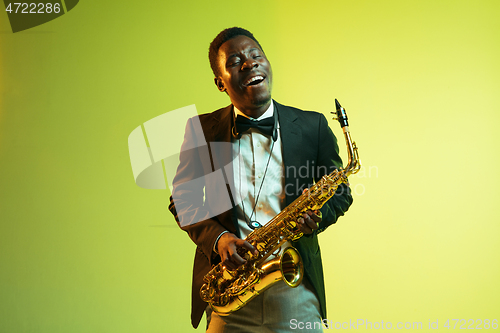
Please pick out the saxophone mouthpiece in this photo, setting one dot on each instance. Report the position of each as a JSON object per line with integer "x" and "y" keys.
{"x": 341, "y": 115}
{"x": 337, "y": 104}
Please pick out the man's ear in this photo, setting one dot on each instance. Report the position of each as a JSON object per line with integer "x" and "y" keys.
{"x": 219, "y": 84}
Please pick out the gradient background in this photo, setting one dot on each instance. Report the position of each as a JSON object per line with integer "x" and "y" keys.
{"x": 84, "y": 249}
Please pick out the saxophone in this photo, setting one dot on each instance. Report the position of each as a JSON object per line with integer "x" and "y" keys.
{"x": 229, "y": 290}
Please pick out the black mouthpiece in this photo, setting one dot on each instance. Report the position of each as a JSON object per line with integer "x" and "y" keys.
{"x": 337, "y": 104}
{"x": 341, "y": 115}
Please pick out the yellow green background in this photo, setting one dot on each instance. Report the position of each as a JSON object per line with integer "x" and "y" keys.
{"x": 84, "y": 249}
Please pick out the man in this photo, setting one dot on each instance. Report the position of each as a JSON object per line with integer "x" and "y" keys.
{"x": 261, "y": 170}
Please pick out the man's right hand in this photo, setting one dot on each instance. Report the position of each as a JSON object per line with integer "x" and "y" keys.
{"x": 227, "y": 245}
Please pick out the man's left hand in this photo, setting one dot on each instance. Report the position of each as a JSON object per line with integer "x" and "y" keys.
{"x": 309, "y": 221}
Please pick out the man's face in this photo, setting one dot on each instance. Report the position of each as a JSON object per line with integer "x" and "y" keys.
{"x": 246, "y": 74}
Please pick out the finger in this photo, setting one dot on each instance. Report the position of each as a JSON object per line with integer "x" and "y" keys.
{"x": 226, "y": 261}
{"x": 249, "y": 247}
{"x": 309, "y": 222}
{"x": 229, "y": 265}
{"x": 315, "y": 215}
{"x": 231, "y": 257}
{"x": 232, "y": 260}
{"x": 303, "y": 226}
{"x": 236, "y": 259}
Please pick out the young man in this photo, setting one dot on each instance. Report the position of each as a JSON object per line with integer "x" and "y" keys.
{"x": 259, "y": 156}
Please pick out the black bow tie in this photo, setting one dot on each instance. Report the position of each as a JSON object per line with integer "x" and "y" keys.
{"x": 265, "y": 126}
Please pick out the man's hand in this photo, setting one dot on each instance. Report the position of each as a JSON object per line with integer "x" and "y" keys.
{"x": 309, "y": 221}
{"x": 227, "y": 245}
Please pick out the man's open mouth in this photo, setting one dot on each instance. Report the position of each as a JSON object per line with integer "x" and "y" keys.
{"x": 254, "y": 80}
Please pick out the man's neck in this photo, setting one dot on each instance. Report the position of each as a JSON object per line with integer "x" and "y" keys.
{"x": 268, "y": 112}
{"x": 256, "y": 112}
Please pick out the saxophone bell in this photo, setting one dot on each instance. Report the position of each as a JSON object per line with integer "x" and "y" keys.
{"x": 287, "y": 267}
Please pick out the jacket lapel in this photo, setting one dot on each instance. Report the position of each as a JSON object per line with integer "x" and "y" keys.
{"x": 291, "y": 136}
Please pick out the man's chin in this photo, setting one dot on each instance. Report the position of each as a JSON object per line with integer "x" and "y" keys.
{"x": 259, "y": 101}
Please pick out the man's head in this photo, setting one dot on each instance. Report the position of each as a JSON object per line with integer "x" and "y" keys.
{"x": 222, "y": 37}
{"x": 242, "y": 70}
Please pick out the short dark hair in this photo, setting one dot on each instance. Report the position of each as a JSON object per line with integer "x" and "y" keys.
{"x": 222, "y": 37}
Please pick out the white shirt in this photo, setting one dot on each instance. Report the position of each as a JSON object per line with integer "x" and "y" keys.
{"x": 257, "y": 161}
{"x": 258, "y": 175}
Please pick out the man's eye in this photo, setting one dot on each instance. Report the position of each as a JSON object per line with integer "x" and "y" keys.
{"x": 235, "y": 63}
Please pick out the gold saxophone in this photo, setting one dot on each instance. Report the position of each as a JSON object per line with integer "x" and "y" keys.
{"x": 229, "y": 290}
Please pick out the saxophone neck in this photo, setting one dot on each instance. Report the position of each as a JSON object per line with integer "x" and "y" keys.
{"x": 353, "y": 164}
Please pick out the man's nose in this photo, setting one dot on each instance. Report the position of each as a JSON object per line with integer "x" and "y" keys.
{"x": 249, "y": 64}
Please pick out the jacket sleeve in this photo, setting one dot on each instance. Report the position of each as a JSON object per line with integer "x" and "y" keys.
{"x": 187, "y": 202}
